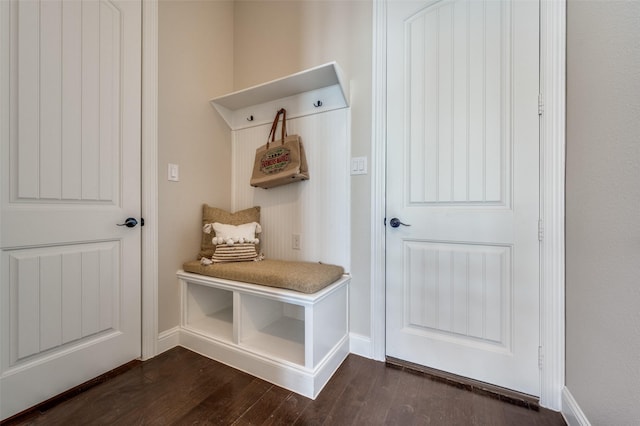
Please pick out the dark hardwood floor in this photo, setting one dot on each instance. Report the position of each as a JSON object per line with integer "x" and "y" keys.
{"x": 180, "y": 387}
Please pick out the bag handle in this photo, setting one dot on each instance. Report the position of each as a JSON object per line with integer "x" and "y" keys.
{"x": 272, "y": 134}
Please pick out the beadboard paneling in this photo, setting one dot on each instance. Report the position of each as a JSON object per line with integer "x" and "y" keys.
{"x": 317, "y": 209}
{"x": 459, "y": 291}
{"x": 459, "y": 97}
{"x": 61, "y": 294}
{"x": 68, "y": 120}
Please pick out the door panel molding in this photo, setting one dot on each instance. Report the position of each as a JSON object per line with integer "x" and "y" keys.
{"x": 552, "y": 62}
{"x": 449, "y": 276}
{"x": 468, "y": 147}
{"x": 60, "y": 295}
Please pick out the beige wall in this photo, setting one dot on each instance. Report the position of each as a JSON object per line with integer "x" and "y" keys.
{"x": 210, "y": 48}
{"x": 603, "y": 210}
{"x": 195, "y": 64}
{"x": 275, "y": 38}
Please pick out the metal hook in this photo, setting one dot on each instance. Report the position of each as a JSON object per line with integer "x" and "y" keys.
{"x": 250, "y": 118}
{"x": 318, "y": 104}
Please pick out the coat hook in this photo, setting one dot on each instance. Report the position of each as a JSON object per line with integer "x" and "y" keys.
{"x": 250, "y": 118}
{"x": 318, "y": 104}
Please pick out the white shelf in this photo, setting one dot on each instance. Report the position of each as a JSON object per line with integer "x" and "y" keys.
{"x": 218, "y": 324}
{"x": 283, "y": 339}
{"x": 298, "y": 93}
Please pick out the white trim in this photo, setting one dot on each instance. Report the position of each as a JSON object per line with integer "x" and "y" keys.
{"x": 552, "y": 186}
{"x": 360, "y": 345}
{"x": 149, "y": 178}
{"x": 378, "y": 174}
{"x": 571, "y": 411}
{"x": 299, "y": 379}
{"x": 552, "y": 18}
{"x": 168, "y": 339}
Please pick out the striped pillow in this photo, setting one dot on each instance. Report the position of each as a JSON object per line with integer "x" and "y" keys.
{"x": 235, "y": 253}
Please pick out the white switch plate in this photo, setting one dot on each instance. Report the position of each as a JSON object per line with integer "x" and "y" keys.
{"x": 173, "y": 173}
{"x": 295, "y": 241}
{"x": 359, "y": 165}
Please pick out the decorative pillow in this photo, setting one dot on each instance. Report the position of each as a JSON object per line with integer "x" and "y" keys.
{"x": 213, "y": 214}
{"x": 235, "y": 253}
{"x": 231, "y": 234}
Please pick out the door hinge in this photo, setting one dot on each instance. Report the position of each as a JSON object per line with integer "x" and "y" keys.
{"x": 540, "y": 357}
{"x": 540, "y": 230}
{"x": 540, "y": 104}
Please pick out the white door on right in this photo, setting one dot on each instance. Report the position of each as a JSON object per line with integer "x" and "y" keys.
{"x": 462, "y": 284}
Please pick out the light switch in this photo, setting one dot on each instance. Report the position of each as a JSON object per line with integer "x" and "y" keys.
{"x": 173, "y": 173}
{"x": 359, "y": 165}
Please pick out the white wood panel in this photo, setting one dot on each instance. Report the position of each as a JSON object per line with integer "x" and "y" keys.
{"x": 72, "y": 100}
{"x": 446, "y": 120}
{"x": 109, "y": 98}
{"x": 476, "y": 292}
{"x": 497, "y": 73}
{"x": 316, "y": 209}
{"x": 90, "y": 100}
{"x": 90, "y": 292}
{"x": 458, "y": 87}
{"x": 68, "y": 121}
{"x": 71, "y": 297}
{"x": 27, "y": 307}
{"x": 51, "y": 301}
{"x": 460, "y": 280}
{"x": 50, "y": 99}
{"x": 460, "y": 103}
{"x": 28, "y": 104}
{"x": 109, "y": 294}
{"x": 62, "y": 294}
{"x": 459, "y": 291}
{"x": 476, "y": 71}
{"x": 330, "y": 320}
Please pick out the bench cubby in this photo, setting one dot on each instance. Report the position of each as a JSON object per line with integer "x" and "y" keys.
{"x": 294, "y": 340}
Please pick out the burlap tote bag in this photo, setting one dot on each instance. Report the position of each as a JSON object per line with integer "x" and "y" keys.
{"x": 282, "y": 161}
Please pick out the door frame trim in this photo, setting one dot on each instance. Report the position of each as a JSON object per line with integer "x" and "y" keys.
{"x": 552, "y": 194}
{"x": 149, "y": 207}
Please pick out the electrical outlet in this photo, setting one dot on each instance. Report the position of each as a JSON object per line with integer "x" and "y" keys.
{"x": 295, "y": 241}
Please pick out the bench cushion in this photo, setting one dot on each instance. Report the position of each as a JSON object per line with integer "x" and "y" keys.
{"x": 305, "y": 277}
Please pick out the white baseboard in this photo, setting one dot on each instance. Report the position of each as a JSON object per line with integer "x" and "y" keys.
{"x": 168, "y": 339}
{"x": 571, "y": 411}
{"x": 360, "y": 345}
{"x": 289, "y": 375}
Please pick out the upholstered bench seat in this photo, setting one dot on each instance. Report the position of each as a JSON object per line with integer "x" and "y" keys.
{"x": 304, "y": 277}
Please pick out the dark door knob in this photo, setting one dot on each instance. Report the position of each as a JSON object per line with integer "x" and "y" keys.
{"x": 129, "y": 222}
{"x": 395, "y": 222}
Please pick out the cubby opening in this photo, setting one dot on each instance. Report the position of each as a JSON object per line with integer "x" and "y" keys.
{"x": 210, "y": 311}
{"x": 273, "y": 328}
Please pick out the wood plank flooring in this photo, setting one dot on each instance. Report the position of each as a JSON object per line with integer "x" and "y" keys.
{"x": 180, "y": 387}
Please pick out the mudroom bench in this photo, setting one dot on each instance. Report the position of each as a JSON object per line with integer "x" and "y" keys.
{"x": 294, "y": 339}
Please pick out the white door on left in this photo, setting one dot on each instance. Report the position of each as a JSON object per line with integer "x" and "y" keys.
{"x": 70, "y": 287}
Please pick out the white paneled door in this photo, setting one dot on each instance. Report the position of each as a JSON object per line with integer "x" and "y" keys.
{"x": 462, "y": 170}
{"x": 70, "y": 151}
